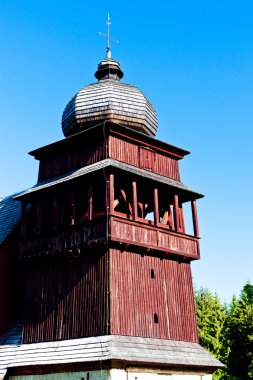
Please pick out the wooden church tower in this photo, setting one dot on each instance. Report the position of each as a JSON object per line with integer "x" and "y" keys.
{"x": 108, "y": 285}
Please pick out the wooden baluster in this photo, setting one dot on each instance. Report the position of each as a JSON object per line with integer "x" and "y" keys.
{"x": 195, "y": 218}
{"x": 135, "y": 204}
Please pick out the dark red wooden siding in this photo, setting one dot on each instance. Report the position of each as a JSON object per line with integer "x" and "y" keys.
{"x": 139, "y": 156}
{"x": 70, "y": 160}
{"x": 150, "y": 236}
{"x": 5, "y": 286}
{"x": 135, "y": 297}
{"x": 67, "y": 298}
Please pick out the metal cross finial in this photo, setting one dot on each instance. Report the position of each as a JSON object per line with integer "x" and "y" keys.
{"x": 108, "y": 36}
{"x": 108, "y": 22}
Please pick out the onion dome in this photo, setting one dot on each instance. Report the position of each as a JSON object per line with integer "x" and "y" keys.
{"x": 109, "y": 100}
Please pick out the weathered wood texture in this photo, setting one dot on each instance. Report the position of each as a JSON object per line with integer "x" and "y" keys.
{"x": 137, "y": 295}
{"x": 5, "y": 286}
{"x": 72, "y": 238}
{"x": 142, "y": 157}
{"x": 119, "y": 148}
{"x": 150, "y": 236}
{"x": 12, "y": 276}
{"x": 67, "y": 298}
{"x": 72, "y": 159}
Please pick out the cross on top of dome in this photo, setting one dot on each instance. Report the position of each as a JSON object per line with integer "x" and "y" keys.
{"x": 108, "y": 68}
{"x": 109, "y": 38}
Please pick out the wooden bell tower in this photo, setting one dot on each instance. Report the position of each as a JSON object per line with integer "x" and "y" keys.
{"x": 104, "y": 246}
{"x": 105, "y": 243}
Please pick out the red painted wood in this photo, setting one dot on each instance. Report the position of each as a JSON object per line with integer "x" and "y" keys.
{"x": 72, "y": 159}
{"x": 176, "y": 213}
{"x": 90, "y": 200}
{"x": 135, "y": 154}
{"x": 150, "y": 236}
{"x": 111, "y": 194}
{"x": 136, "y": 297}
{"x": 195, "y": 218}
{"x": 135, "y": 205}
{"x": 66, "y": 298}
{"x": 147, "y": 159}
{"x": 73, "y": 207}
{"x": 156, "y": 207}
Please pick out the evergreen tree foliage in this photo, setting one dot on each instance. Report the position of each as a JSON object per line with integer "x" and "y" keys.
{"x": 211, "y": 319}
{"x": 226, "y": 331}
{"x": 240, "y": 335}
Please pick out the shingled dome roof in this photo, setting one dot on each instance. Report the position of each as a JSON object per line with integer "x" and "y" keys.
{"x": 109, "y": 100}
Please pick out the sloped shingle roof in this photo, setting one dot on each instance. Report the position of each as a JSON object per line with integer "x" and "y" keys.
{"x": 108, "y": 162}
{"x": 101, "y": 348}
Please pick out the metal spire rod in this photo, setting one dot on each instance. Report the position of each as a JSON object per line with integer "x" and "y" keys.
{"x": 108, "y": 36}
{"x": 108, "y": 22}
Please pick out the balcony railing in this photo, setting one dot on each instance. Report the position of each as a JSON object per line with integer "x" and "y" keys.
{"x": 153, "y": 237}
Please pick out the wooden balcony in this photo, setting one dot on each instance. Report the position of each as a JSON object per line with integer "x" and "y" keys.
{"x": 140, "y": 233}
{"x": 69, "y": 239}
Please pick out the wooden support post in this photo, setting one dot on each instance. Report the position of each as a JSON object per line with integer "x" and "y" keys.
{"x": 195, "y": 218}
{"x": 23, "y": 221}
{"x": 156, "y": 208}
{"x": 135, "y": 205}
{"x": 111, "y": 193}
{"x": 172, "y": 217}
{"x": 55, "y": 213}
{"x": 176, "y": 213}
{"x": 73, "y": 208}
{"x": 38, "y": 218}
{"x": 90, "y": 202}
{"x": 181, "y": 218}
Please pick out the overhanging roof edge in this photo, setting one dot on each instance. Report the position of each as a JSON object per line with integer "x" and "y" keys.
{"x": 102, "y": 165}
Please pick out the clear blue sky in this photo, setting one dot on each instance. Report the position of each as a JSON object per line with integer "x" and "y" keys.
{"x": 192, "y": 59}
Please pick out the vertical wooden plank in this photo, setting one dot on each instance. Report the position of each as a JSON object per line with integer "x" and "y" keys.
{"x": 156, "y": 207}
{"x": 195, "y": 218}
{"x": 135, "y": 205}
{"x": 176, "y": 213}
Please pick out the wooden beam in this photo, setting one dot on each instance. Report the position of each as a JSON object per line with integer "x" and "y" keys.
{"x": 195, "y": 218}
{"x": 73, "y": 209}
{"x": 55, "y": 212}
{"x": 181, "y": 218}
{"x": 176, "y": 213}
{"x": 171, "y": 217}
{"x": 90, "y": 202}
{"x": 38, "y": 217}
{"x": 111, "y": 193}
{"x": 135, "y": 204}
{"x": 156, "y": 208}
{"x": 23, "y": 221}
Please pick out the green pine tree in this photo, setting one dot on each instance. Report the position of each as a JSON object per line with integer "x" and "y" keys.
{"x": 240, "y": 326}
{"x": 211, "y": 318}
